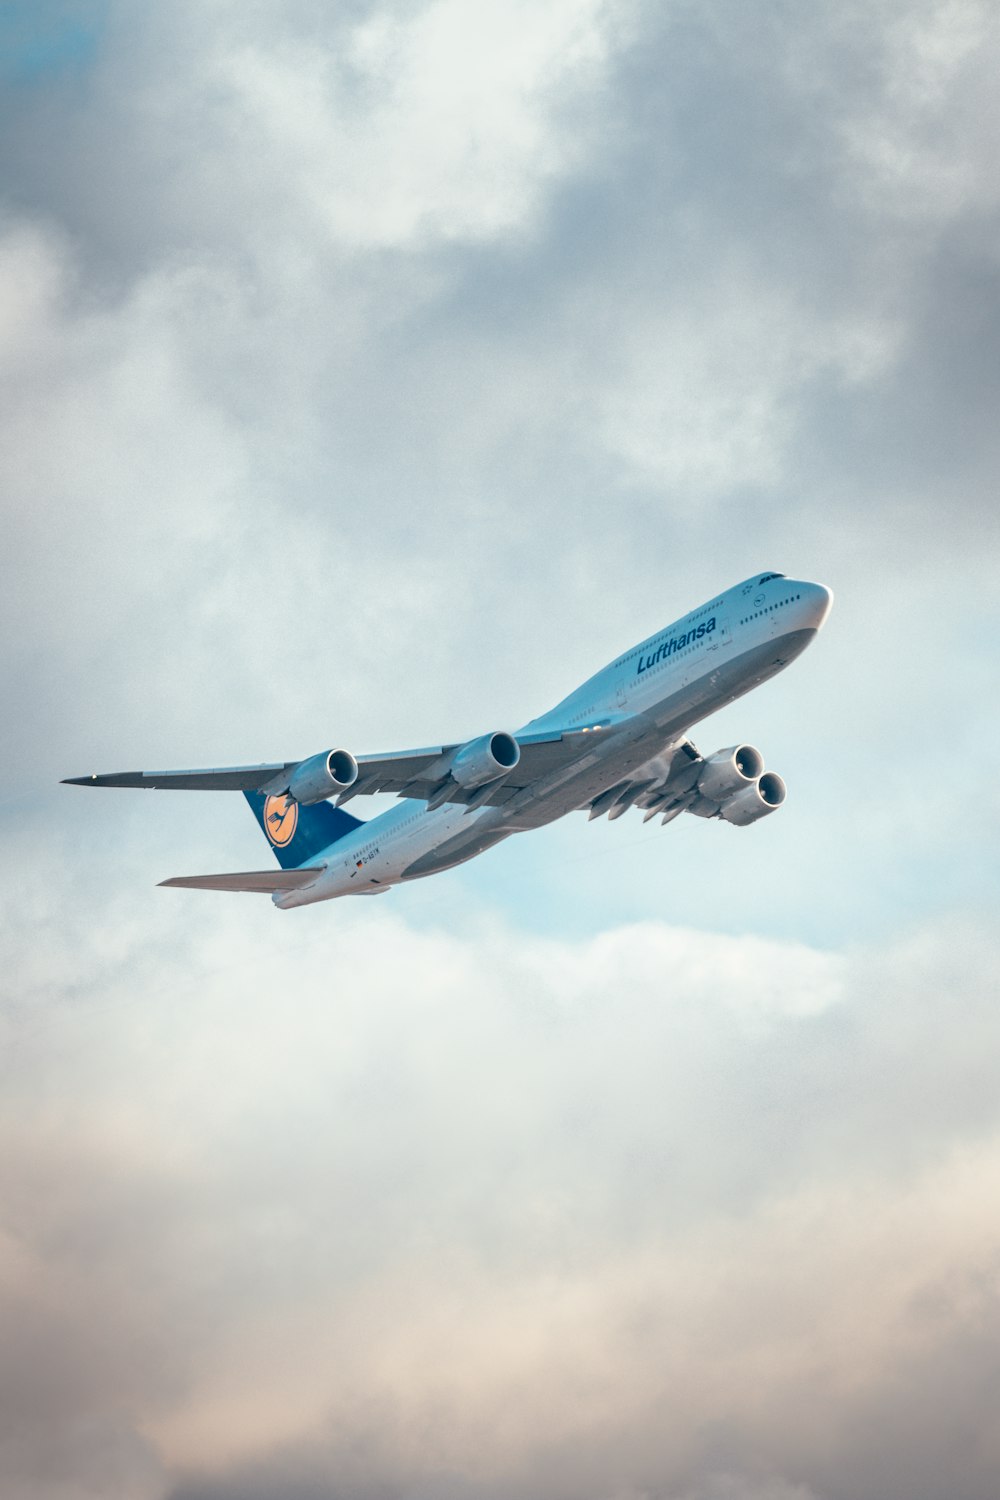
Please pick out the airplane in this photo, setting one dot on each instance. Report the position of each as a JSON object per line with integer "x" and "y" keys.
{"x": 616, "y": 742}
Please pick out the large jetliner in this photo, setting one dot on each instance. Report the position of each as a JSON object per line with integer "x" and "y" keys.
{"x": 618, "y": 741}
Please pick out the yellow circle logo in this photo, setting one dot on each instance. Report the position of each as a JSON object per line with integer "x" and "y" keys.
{"x": 281, "y": 818}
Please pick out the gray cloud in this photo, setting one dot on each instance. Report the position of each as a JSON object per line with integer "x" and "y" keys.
{"x": 371, "y": 375}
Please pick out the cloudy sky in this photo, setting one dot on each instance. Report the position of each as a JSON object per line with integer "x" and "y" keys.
{"x": 370, "y": 373}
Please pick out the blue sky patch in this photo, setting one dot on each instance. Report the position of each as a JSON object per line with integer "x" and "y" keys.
{"x": 42, "y": 38}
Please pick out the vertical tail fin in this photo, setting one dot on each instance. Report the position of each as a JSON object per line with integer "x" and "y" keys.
{"x": 297, "y": 832}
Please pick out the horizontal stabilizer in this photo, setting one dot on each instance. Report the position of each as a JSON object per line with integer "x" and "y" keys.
{"x": 266, "y": 881}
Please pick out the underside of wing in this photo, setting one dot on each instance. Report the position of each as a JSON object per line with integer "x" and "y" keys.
{"x": 666, "y": 784}
{"x": 265, "y": 881}
{"x": 429, "y": 775}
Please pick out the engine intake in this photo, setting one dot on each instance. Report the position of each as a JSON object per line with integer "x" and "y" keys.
{"x": 322, "y": 775}
{"x": 729, "y": 772}
{"x": 485, "y": 759}
{"x": 765, "y": 796}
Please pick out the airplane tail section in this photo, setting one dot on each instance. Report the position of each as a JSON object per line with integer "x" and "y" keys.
{"x": 296, "y": 831}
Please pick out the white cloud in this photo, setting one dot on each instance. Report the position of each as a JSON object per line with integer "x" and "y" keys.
{"x": 410, "y": 126}
{"x": 705, "y": 396}
{"x": 298, "y": 1178}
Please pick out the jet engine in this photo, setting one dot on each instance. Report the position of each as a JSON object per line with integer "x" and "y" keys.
{"x": 763, "y": 796}
{"x": 729, "y": 772}
{"x": 322, "y": 775}
{"x": 485, "y": 759}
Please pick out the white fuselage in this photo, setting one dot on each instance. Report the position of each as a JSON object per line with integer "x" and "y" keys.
{"x": 633, "y": 711}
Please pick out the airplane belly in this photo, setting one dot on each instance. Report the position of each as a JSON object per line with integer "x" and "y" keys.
{"x": 723, "y": 678}
{"x": 455, "y": 851}
{"x": 728, "y": 678}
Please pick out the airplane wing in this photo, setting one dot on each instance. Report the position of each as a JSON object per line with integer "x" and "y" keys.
{"x": 666, "y": 784}
{"x": 421, "y": 774}
{"x": 221, "y": 779}
{"x": 266, "y": 881}
{"x": 418, "y": 773}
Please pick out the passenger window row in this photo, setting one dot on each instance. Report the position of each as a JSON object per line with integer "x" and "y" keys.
{"x": 769, "y": 608}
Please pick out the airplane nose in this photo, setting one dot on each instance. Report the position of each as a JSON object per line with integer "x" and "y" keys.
{"x": 817, "y": 601}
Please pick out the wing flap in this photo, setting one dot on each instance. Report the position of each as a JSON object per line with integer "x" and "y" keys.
{"x": 663, "y": 783}
{"x": 265, "y": 881}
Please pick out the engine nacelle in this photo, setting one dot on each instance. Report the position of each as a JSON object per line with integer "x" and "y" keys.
{"x": 322, "y": 775}
{"x": 765, "y": 796}
{"x": 485, "y": 759}
{"x": 729, "y": 772}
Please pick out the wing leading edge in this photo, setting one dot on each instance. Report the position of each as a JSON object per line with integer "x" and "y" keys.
{"x": 421, "y": 774}
{"x": 665, "y": 785}
{"x": 220, "y": 779}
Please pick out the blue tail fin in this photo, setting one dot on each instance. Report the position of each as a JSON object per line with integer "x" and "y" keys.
{"x": 296, "y": 832}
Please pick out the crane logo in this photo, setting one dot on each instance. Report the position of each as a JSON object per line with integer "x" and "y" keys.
{"x": 281, "y": 818}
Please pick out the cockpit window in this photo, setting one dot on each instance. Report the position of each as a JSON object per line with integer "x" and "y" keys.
{"x": 768, "y": 576}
